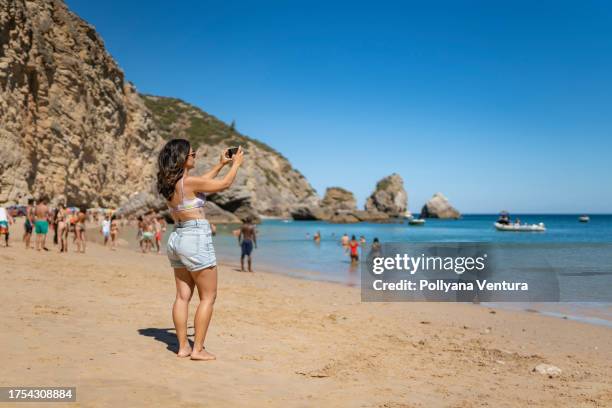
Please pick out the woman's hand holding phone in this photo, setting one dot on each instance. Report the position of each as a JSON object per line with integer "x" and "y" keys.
{"x": 238, "y": 157}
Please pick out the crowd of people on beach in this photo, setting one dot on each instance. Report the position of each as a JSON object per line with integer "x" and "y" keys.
{"x": 65, "y": 222}
{"x": 61, "y": 221}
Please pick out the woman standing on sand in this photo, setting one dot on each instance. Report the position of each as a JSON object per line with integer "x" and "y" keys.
{"x": 62, "y": 228}
{"x": 80, "y": 231}
{"x": 190, "y": 249}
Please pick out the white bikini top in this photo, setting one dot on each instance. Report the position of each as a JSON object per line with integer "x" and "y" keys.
{"x": 197, "y": 202}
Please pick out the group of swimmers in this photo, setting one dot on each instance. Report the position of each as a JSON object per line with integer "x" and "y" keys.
{"x": 350, "y": 245}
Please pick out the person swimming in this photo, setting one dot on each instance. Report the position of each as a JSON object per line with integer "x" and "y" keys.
{"x": 344, "y": 241}
{"x": 376, "y": 248}
{"x": 354, "y": 249}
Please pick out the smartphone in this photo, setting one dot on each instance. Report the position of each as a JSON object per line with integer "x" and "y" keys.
{"x": 231, "y": 152}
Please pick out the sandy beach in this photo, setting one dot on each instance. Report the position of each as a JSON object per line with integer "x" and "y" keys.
{"x": 101, "y": 321}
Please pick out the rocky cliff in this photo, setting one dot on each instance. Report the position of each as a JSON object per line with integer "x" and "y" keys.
{"x": 71, "y": 126}
{"x": 74, "y": 129}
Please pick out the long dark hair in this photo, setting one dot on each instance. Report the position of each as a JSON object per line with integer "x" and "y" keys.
{"x": 170, "y": 164}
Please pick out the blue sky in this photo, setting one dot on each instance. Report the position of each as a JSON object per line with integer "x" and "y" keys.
{"x": 499, "y": 105}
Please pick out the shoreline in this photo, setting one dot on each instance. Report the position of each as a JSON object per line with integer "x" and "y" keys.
{"x": 590, "y": 314}
{"x": 101, "y": 321}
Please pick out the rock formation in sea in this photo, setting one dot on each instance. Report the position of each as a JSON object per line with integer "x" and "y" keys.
{"x": 72, "y": 127}
{"x": 338, "y": 199}
{"x": 439, "y": 207}
{"x": 338, "y": 206}
{"x": 389, "y": 197}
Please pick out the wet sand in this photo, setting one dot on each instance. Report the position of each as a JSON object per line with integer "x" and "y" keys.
{"x": 101, "y": 321}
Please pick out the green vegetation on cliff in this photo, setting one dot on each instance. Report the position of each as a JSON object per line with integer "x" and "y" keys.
{"x": 177, "y": 118}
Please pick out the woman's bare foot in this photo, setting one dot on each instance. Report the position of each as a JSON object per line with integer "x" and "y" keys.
{"x": 184, "y": 352}
{"x": 202, "y": 355}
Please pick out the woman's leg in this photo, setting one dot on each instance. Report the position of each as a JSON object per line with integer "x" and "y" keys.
{"x": 60, "y": 235}
{"x": 206, "y": 281}
{"x": 180, "y": 309}
{"x": 77, "y": 240}
{"x": 83, "y": 238}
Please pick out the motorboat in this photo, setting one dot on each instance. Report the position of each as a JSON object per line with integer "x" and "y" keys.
{"x": 521, "y": 227}
{"x": 584, "y": 218}
{"x": 416, "y": 221}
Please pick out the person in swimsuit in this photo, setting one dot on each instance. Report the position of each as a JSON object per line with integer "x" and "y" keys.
{"x": 354, "y": 249}
{"x": 41, "y": 224}
{"x": 376, "y": 248}
{"x": 81, "y": 238}
{"x": 54, "y": 225}
{"x": 140, "y": 231}
{"x": 28, "y": 225}
{"x": 190, "y": 249}
{"x": 5, "y": 220}
{"x": 344, "y": 241}
{"x": 105, "y": 229}
{"x": 246, "y": 239}
{"x": 157, "y": 228}
{"x": 147, "y": 235}
{"x": 114, "y": 231}
{"x": 62, "y": 228}
{"x": 74, "y": 218}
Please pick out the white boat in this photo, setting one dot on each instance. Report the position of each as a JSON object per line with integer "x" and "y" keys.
{"x": 584, "y": 218}
{"x": 521, "y": 227}
{"x": 416, "y": 221}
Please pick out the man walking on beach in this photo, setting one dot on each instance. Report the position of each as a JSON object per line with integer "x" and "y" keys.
{"x": 246, "y": 239}
{"x": 41, "y": 223}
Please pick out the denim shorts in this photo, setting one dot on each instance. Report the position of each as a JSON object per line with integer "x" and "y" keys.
{"x": 190, "y": 246}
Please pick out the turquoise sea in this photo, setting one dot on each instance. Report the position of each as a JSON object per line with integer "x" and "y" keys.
{"x": 287, "y": 247}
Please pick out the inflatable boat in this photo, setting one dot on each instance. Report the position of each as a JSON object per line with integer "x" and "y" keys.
{"x": 521, "y": 227}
